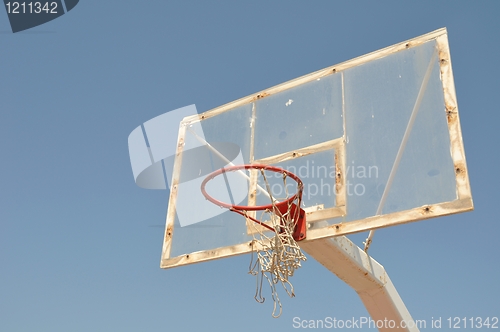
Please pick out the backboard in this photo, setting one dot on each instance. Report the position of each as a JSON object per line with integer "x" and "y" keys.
{"x": 376, "y": 141}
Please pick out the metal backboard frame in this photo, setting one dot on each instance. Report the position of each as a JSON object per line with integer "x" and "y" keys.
{"x": 317, "y": 215}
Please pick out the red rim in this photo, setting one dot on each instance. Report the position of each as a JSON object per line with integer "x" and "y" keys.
{"x": 251, "y": 208}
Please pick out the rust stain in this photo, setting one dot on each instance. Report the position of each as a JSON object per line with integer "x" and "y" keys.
{"x": 443, "y": 57}
{"x": 460, "y": 170}
{"x": 338, "y": 175}
{"x": 427, "y": 209}
{"x": 452, "y": 117}
{"x": 451, "y": 114}
{"x": 168, "y": 234}
{"x": 443, "y": 61}
{"x": 260, "y": 95}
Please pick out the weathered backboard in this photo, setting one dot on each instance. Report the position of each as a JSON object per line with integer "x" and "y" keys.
{"x": 376, "y": 141}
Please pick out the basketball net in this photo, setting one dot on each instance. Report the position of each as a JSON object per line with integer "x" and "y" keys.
{"x": 275, "y": 229}
{"x": 276, "y": 255}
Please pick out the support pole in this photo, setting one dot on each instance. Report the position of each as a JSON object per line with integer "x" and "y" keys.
{"x": 367, "y": 277}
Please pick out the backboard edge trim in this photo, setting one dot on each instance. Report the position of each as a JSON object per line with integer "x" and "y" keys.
{"x": 376, "y": 222}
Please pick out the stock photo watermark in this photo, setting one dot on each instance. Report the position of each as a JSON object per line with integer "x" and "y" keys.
{"x": 320, "y": 180}
{"x": 363, "y": 322}
{"x": 24, "y": 15}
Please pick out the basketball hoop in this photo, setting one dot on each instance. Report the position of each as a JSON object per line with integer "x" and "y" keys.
{"x": 278, "y": 255}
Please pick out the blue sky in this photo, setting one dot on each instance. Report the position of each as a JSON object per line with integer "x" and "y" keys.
{"x": 80, "y": 243}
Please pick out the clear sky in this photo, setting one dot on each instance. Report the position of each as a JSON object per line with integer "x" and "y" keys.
{"x": 80, "y": 243}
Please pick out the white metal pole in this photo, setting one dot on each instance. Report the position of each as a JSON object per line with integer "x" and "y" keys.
{"x": 367, "y": 277}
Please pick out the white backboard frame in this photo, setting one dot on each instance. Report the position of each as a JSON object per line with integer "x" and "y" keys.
{"x": 463, "y": 202}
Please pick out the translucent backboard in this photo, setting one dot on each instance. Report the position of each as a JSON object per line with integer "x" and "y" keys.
{"x": 376, "y": 141}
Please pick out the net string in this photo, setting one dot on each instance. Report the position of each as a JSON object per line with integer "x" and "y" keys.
{"x": 277, "y": 256}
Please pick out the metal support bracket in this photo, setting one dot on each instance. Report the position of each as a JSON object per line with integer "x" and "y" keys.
{"x": 367, "y": 277}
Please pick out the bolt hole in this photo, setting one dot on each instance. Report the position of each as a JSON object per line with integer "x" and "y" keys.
{"x": 337, "y": 226}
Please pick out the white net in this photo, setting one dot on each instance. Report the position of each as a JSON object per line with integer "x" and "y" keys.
{"x": 277, "y": 254}
{"x": 281, "y": 222}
